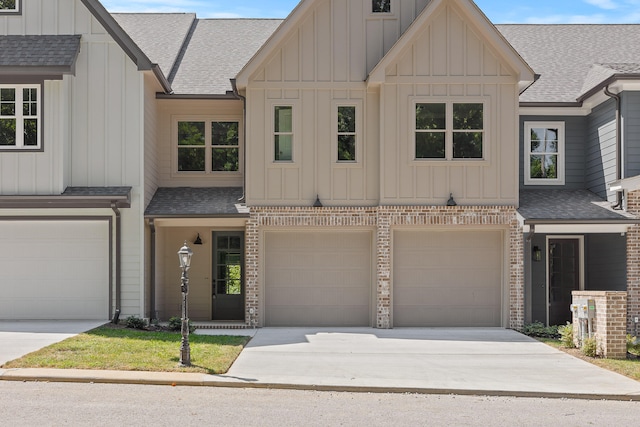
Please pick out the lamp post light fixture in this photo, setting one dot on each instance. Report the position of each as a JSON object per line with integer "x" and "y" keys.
{"x": 184, "y": 254}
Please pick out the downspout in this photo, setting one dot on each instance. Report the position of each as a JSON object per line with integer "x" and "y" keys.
{"x": 152, "y": 273}
{"x": 114, "y": 207}
{"x": 617, "y": 98}
{"x": 244, "y": 138}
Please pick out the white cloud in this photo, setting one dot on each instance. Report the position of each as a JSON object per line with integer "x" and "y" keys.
{"x": 603, "y": 4}
{"x": 569, "y": 19}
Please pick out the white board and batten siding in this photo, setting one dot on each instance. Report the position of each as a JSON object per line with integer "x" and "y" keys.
{"x": 449, "y": 61}
{"x": 321, "y": 65}
{"x": 94, "y": 126}
{"x": 54, "y": 270}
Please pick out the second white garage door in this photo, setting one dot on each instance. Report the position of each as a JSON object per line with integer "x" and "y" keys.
{"x": 318, "y": 278}
{"x": 54, "y": 270}
{"x": 447, "y": 278}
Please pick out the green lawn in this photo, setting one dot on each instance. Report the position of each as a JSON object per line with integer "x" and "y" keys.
{"x": 118, "y": 348}
{"x": 628, "y": 367}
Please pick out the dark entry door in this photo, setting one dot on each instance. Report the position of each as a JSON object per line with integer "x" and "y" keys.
{"x": 564, "y": 277}
{"x": 228, "y": 275}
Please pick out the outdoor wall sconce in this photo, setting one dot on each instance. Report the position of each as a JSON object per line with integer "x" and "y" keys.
{"x": 536, "y": 254}
{"x": 317, "y": 203}
{"x": 451, "y": 202}
{"x": 198, "y": 240}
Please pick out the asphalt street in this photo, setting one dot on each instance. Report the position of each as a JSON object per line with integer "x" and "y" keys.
{"x": 71, "y": 404}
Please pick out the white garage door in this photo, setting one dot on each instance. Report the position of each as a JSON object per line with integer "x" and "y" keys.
{"x": 54, "y": 270}
{"x": 451, "y": 278}
{"x": 318, "y": 278}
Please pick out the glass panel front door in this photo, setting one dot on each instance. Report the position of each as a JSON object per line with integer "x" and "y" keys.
{"x": 228, "y": 275}
{"x": 564, "y": 277}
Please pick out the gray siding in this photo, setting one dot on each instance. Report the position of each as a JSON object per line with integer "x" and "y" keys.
{"x": 605, "y": 262}
{"x": 631, "y": 133}
{"x": 601, "y": 150}
{"x": 538, "y": 281}
{"x": 575, "y": 142}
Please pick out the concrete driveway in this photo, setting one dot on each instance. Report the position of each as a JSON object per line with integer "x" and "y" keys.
{"x": 461, "y": 360}
{"x": 21, "y": 337}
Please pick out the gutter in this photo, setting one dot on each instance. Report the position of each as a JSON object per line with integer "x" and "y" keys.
{"x": 244, "y": 138}
{"x": 618, "y": 100}
{"x": 115, "y": 209}
{"x": 533, "y": 222}
{"x": 152, "y": 273}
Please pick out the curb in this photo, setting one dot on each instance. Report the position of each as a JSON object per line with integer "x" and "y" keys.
{"x": 204, "y": 380}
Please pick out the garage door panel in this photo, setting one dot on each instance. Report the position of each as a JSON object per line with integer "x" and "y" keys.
{"x": 325, "y": 281}
{"x": 447, "y": 278}
{"x": 61, "y": 271}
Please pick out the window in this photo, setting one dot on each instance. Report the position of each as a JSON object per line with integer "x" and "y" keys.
{"x": 7, "y": 6}
{"x": 544, "y": 153}
{"x": 346, "y": 133}
{"x": 449, "y": 130}
{"x": 381, "y": 6}
{"x": 208, "y": 146}
{"x": 20, "y": 117}
{"x": 283, "y": 133}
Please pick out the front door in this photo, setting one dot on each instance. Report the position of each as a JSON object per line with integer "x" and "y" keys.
{"x": 228, "y": 275}
{"x": 564, "y": 277}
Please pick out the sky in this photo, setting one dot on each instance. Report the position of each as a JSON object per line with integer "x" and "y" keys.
{"x": 498, "y": 11}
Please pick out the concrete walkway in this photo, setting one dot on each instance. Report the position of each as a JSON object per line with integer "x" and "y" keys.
{"x": 481, "y": 361}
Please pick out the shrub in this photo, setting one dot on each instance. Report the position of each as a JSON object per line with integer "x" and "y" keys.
{"x": 590, "y": 347}
{"x": 633, "y": 345}
{"x": 566, "y": 335}
{"x": 537, "y": 329}
{"x": 175, "y": 324}
{"x": 134, "y": 322}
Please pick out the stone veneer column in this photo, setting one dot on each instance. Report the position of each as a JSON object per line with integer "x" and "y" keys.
{"x": 633, "y": 262}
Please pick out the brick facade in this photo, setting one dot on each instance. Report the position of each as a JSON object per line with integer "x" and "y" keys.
{"x": 383, "y": 219}
{"x": 633, "y": 262}
{"x": 609, "y": 325}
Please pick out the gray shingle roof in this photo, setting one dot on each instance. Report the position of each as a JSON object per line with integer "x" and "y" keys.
{"x": 53, "y": 52}
{"x": 159, "y": 35}
{"x": 568, "y": 205}
{"x": 97, "y": 191}
{"x": 218, "y": 50}
{"x": 565, "y": 55}
{"x": 189, "y": 202}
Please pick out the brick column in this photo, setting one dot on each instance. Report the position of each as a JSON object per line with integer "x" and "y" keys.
{"x": 383, "y": 269}
{"x": 609, "y": 324}
{"x": 251, "y": 270}
{"x": 516, "y": 276}
{"x": 633, "y": 262}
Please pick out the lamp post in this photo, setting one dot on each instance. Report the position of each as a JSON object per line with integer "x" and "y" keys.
{"x": 184, "y": 254}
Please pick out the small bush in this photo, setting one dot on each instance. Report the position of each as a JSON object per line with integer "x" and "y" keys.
{"x": 633, "y": 345}
{"x": 566, "y": 335}
{"x": 134, "y": 322}
{"x": 537, "y": 329}
{"x": 175, "y": 324}
{"x": 590, "y": 347}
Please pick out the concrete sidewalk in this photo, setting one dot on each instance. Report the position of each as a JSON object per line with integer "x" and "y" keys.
{"x": 477, "y": 361}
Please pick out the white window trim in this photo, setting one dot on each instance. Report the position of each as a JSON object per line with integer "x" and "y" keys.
{"x": 449, "y": 128}
{"x": 208, "y": 145}
{"x": 560, "y": 180}
{"x": 359, "y": 132}
{"x": 20, "y": 119}
{"x": 295, "y": 127}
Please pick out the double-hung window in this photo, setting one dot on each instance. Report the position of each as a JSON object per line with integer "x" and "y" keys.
{"x": 449, "y": 130}
{"x": 10, "y": 6}
{"x": 208, "y": 146}
{"x": 347, "y": 137}
{"x": 20, "y": 114}
{"x": 283, "y": 133}
{"x": 544, "y": 153}
{"x": 381, "y": 6}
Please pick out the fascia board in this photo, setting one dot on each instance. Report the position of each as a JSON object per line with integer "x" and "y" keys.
{"x": 281, "y": 33}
